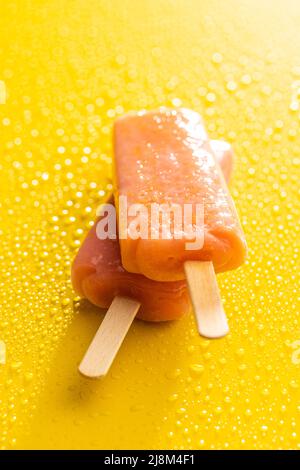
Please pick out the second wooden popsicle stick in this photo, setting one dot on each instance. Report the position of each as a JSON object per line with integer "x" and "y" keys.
{"x": 109, "y": 337}
{"x": 208, "y": 309}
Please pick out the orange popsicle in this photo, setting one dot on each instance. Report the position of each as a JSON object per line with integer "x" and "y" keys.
{"x": 165, "y": 157}
{"x": 98, "y": 274}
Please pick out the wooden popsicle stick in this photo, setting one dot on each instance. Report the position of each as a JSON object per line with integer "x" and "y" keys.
{"x": 210, "y": 316}
{"x": 109, "y": 337}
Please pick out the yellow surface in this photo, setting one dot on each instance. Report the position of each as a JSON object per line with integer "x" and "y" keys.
{"x": 67, "y": 68}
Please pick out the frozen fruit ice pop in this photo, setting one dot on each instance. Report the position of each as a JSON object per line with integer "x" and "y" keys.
{"x": 98, "y": 274}
{"x": 165, "y": 157}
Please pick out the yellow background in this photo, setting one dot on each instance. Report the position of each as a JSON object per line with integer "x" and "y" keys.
{"x": 69, "y": 68}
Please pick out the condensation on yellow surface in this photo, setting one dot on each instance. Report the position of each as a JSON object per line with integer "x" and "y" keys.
{"x": 68, "y": 68}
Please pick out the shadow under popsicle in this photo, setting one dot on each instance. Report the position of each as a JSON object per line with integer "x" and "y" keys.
{"x": 135, "y": 390}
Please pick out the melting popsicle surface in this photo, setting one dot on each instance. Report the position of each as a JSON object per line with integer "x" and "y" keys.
{"x": 165, "y": 157}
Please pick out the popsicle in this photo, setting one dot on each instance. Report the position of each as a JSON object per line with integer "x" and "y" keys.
{"x": 98, "y": 275}
{"x": 165, "y": 157}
